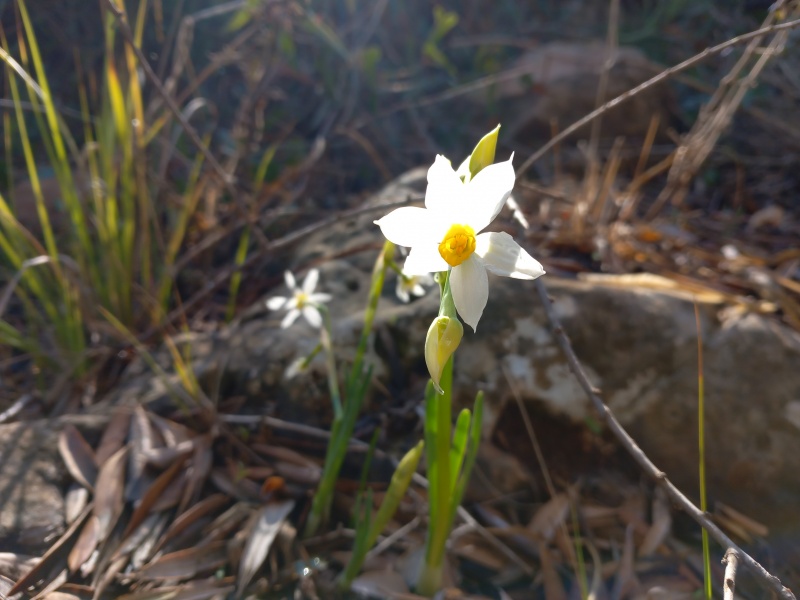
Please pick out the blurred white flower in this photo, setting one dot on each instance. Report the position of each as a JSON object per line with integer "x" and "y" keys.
{"x": 297, "y": 367}
{"x": 302, "y": 301}
{"x": 412, "y": 285}
{"x": 446, "y": 234}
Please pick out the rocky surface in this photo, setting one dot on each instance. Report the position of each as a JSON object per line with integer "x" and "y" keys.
{"x": 635, "y": 335}
{"x": 32, "y": 481}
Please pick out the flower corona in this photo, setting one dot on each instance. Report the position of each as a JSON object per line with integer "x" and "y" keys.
{"x": 458, "y": 244}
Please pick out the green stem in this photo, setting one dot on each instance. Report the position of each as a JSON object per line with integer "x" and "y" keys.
{"x": 345, "y": 410}
{"x": 378, "y": 277}
{"x": 438, "y": 431}
{"x": 439, "y": 515}
{"x": 701, "y": 428}
{"x": 330, "y": 360}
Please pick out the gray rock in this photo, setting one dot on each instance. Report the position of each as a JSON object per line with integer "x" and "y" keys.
{"x": 31, "y": 502}
{"x": 32, "y": 481}
{"x": 636, "y": 339}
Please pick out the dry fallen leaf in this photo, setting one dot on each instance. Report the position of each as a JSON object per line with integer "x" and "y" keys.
{"x": 49, "y": 567}
{"x": 771, "y": 216}
{"x": 196, "y": 590}
{"x": 142, "y": 443}
{"x": 154, "y": 494}
{"x": 78, "y": 456}
{"x": 267, "y": 525}
{"x": 379, "y": 584}
{"x": 626, "y": 583}
{"x": 174, "y": 434}
{"x": 550, "y": 516}
{"x": 75, "y": 501}
{"x": 475, "y": 549}
{"x": 662, "y": 524}
{"x": 553, "y": 587}
{"x": 228, "y": 521}
{"x": 206, "y": 506}
{"x": 751, "y": 525}
{"x": 108, "y": 502}
{"x": 85, "y": 545}
{"x": 184, "y": 564}
{"x": 196, "y": 475}
{"x": 114, "y": 436}
{"x": 152, "y": 529}
{"x": 61, "y": 596}
{"x": 164, "y": 456}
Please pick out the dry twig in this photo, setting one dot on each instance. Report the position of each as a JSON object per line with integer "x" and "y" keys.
{"x": 715, "y": 117}
{"x": 675, "y": 495}
{"x": 731, "y": 562}
{"x": 125, "y": 29}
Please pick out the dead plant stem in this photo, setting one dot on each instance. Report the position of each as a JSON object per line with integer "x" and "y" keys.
{"x": 731, "y": 562}
{"x": 125, "y": 29}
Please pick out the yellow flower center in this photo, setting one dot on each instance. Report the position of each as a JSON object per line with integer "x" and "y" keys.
{"x": 301, "y": 298}
{"x": 458, "y": 244}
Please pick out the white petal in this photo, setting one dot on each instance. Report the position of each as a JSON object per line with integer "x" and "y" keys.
{"x": 310, "y": 282}
{"x": 276, "y": 302}
{"x": 470, "y": 286}
{"x": 423, "y": 260}
{"x": 445, "y": 189}
{"x": 319, "y": 298}
{"x": 407, "y": 226}
{"x": 418, "y": 290}
{"x": 487, "y": 194}
{"x": 290, "y": 318}
{"x": 313, "y": 317}
{"x": 503, "y": 256}
{"x": 295, "y": 368}
{"x": 402, "y": 291}
{"x": 290, "y": 281}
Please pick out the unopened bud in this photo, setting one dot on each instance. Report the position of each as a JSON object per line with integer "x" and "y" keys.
{"x": 444, "y": 336}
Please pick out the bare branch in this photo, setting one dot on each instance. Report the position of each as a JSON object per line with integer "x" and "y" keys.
{"x": 731, "y": 562}
{"x": 675, "y": 495}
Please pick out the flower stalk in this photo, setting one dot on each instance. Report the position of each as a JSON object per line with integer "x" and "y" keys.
{"x": 347, "y": 406}
{"x": 450, "y": 455}
{"x": 368, "y": 528}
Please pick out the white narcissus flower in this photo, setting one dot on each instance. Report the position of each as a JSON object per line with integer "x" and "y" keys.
{"x": 411, "y": 285}
{"x": 303, "y": 300}
{"x": 446, "y": 233}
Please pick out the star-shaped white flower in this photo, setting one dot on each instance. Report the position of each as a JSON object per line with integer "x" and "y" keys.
{"x": 411, "y": 285}
{"x": 447, "y": 233}
{"x": 302, "y": 301}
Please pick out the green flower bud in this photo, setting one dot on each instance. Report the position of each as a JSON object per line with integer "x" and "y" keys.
{"x": 444, "y": 336}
